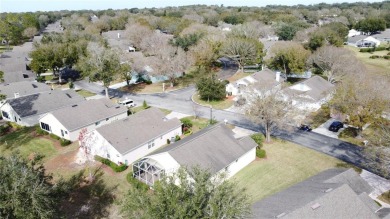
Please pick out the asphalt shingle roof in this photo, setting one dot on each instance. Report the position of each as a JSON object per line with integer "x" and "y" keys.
{"x": 45, "y": 102}
{"x": 334, "y": 191}
{"x": 128, "y": 134}
{"x": 213, "y": 148}
{"x": 23, "y": 88}
{"x": 319, "y": 89}
{"x": 87, "y": 112}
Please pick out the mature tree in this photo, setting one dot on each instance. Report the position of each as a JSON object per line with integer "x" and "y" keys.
{"x": 100, "y": 64}
{"x": 330, "y": 34}
{"x": 210, "y": 88}
{"x": 336, "y": 63}
{"x": 25, "y": 189}
{"x": 47, "y": 56}
{"x": 363, "y": 98}
{"x": 200, "y": 196}
{"x": 186, "y": 41}
{"x": 371, "y": 25}
{"x": 289, "y": 57}
{"x": 244, "y": 51}
{"x": 30, "y": 32}
{"x": 125, "y": 72}
{"x": 136, "y": 32}
{"x": 286, "y": 31}
{"x": 270, "y": 111}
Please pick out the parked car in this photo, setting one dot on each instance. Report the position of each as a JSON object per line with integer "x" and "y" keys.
{"x": 304, "y": 127}
{"x": 127, "y": 102}
{"x": 336, "y": 126}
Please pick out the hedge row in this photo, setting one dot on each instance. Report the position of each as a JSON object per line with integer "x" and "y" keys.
{"x": 377, "y": 57}
{"x": 114, "y": 166}
{"x": 136, "y": 183}
{"x": 373, "y": 49}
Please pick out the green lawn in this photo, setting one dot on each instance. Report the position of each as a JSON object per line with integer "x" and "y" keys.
{"x": 221, "y": 104}
{"x": 385, "y": 197}
{"x": 85, "y": 93}
{"x": 286, "y": 164}
{"x": 141, "y": 108}
{"x": 198, "y": 124}
{"x": 381, "y": 66}
{"x": 24, "y": 141}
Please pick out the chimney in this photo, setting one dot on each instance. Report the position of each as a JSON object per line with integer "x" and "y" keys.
{"x": 16, "y": 95}
{"x": 277, "y": 76}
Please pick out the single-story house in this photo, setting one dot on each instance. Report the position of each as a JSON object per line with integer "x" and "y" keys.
{"x": 132, "y": 138}
{"x": 333, "y": 193}
{"x": 309, "y": 94}
{"x": 368, "y": 42}
{"x": 69, "y": 121}
{"x": 213, "y": 148}
{"x": 27, "y": 110}
{"x": 22, "y": 88}
{"x": 261, "y": 81}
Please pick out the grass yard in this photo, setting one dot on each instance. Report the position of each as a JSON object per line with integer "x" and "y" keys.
{"x": 85, "y": 93}
{"x": 143, "y": 88}
{"x": 378, "y": 66}
{"x": 385, "y": 197}
{"x": 198, "y": 124}
{"x": 286, "y": 164}
{"x": 222, "y": 104}
{"x": 25, "y": 142}
{"x": 141, "y": 108}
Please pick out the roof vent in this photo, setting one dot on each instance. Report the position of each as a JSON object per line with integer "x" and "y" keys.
{"x": 315, "y": 206}
{"x": 328, "y": 190}
{"x": 280, "y": 215}
{"x": 16, "y": 95}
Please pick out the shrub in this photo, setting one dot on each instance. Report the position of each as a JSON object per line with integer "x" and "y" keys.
{"x": 117, "y": 168}
{"x": 260, "y": 153}
{"x": 186, "y": 122}
{"x": 168, "y": 141}
{"x": 177, "y": 138}
{"x": 40, "y": 79}
{"x": 4, "y": 129}
{"x": 53, "y": 136}
{"x": 258, "y": 138}
{"x": 65, "y": 142}
{"x": 145, "y": 105}
{"x": 136, "y": 183}
{"x": 367, "y": 50}
{"x": 386, "y": 57}
{"x": 381, "y": 48}
{"x": 374, "y": 57}
{"x": 71, "y": 85}
{"x": 148, "y": 82}
{"x": 14, "y": 125}
{"x": 388, "y": 53}
{"x": 40, "y": 131}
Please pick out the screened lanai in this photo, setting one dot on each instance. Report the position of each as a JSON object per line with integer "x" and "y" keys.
{"x": 148, "y": 171}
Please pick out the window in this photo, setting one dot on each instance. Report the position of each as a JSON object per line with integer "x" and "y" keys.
{"x": 62, "y": 133}
{"x": 108, "y": 155}
{"x": 66, "y": 132}
{"x": 151, "y": 144}
{"x": 45, "y": 126}
{"x": 5, "y": 114}
{"x": 97, "y": 123}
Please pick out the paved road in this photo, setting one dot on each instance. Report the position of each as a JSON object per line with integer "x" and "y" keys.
{"x": 180, "y": 101}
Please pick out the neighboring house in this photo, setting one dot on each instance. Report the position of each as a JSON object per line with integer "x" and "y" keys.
{"x": 262, "y": 81}
{"x": 68, "y": 122}
{"x": 309, "y": 94}
{"x": 334, "y": 193}
{"x": 132, "y": 138}
{"x": 383, "y": 36}
{"x": 22, "y": 88}
{"x": 27, "y": 110}
{"x": 368, "y": 42}
{"x": 213, "y": 148}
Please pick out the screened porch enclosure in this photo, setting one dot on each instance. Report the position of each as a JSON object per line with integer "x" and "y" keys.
{"x": 147, "y": 171}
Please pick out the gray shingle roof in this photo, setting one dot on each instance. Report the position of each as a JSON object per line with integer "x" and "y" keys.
{"x": 354, "y": 39}
{"x": 128, "y": 134}
{"x": 87, "y": 112}
{"x": 23, "y": 88}
{"x": 40, "y": 103}
{"x": 213, "y": 148}
{"x": 335, "y": 190}
{"x": 266, "y": 79}
{"x": 319, "y": 89}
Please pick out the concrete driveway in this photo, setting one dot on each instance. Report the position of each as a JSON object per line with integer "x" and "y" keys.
{"x": 323, "y": 129}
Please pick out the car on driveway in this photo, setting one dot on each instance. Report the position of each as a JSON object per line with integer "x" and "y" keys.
{"x": 304, "y": 127}
{"x": 336, "y": 126}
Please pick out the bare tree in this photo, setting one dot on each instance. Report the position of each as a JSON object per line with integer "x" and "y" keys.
{"x": 136, "y": 32}
{"x": 154, "y": 43}
{"x": 336, "y": 63}
{"x": 270, "y": 110}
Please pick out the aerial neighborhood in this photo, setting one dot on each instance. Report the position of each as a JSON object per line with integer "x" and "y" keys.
{"x": 170, "y": 110}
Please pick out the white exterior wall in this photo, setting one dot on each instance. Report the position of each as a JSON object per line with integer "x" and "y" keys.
{"x": 142, "y": 151}
{"x": 13, "y": 116}
{"x": 73, "y": 135}
{"x": 239, "y": 164}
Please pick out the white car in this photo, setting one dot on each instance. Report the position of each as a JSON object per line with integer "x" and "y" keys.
{"x": 127, "y": 102}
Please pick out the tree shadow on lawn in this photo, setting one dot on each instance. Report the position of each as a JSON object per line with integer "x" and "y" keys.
{"x": 16, "y": 139}
{"x": 88, "y": 199}
{"x": 133, "y": 88}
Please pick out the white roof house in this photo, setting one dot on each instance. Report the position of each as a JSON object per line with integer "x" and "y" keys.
{"x": 68, "y": 122}
{"x": 354, "y": 32}
{"x": 22, "y": 88}
{"x": 213, "y": 148}
{"x": 368, "y": 42}
{"x": 132, "y": 138}
{"x": 27, "y": 110}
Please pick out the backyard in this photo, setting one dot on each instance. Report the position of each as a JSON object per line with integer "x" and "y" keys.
{"x": 377, "y": 66}
{"x": 286, "y": 164}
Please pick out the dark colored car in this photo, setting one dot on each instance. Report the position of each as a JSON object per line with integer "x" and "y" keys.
{"x": 304, "y": 127}
{"x": 336, "y": 126}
